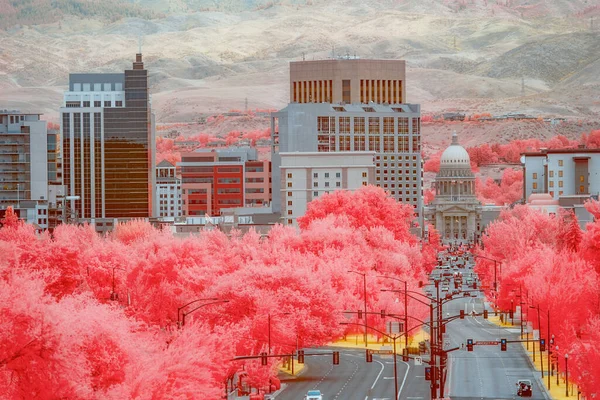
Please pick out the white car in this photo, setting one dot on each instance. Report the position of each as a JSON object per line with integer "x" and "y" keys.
{"x": 313, "y": 395}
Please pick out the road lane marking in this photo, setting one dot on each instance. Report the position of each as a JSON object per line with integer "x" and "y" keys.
{"x": 404, "y": 380}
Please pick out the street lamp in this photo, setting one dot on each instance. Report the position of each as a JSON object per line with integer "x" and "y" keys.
{"x": 557, "y": 383}
{"x": 405, "y": 305}
{"x": 365, "y": 298}
{"x": 185, "y": 305}
{"x": 567, "y": 374}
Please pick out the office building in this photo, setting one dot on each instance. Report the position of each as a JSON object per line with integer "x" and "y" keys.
{"x": 216, "y": 179}
{"x": 168, "y": 190}
{"x": 108, "y": 145}
{"x": 25, "y": 146}
{"x": 393, "y": 133}
{"x": 309, "y": 175}
{"x": 348, "y": 80}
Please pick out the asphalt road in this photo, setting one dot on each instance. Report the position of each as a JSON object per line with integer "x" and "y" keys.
{"x": 485, "y": 373}
{"x": 353, "y": 378}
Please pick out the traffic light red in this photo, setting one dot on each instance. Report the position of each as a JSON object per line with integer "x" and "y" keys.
{"x": 503, "y": 344}
{"x": 542, "y": 344}
{"x": 369, "y": 356}
{"x": 485, "y": 314}
{"x": 427, "y": 373}
{"x": 263, "y": 358}
{"x": 462, "y": 314}
{"x": 469, "y": 344}
{"x": 336, "y": 357}
{"x": 300, "y": 356}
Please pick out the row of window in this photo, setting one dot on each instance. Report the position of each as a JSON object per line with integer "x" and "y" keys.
{"x": 87, "y": 104}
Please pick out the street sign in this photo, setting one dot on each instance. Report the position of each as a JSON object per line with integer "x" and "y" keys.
{"x": 487, "y": 343}
{"x": 418, "y": 361}
{"x": 381, "y": 351}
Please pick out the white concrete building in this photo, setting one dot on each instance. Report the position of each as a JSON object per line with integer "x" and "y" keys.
{"x": 562, "y": 172}
{"x": 168, "y": 191}
{"x": 306, "y": 176}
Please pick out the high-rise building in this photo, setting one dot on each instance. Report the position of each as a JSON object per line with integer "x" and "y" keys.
{"x": 168, "y": 190}
{"x": 108, "y": 145}
{"x": 216, "y": 179}
{"x": 353, "y": 105}
{"x": 24, "y": 164}
{"x": 348, "y": 80}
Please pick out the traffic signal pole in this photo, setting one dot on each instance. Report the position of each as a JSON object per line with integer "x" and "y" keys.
{"x": 432, "y": 336}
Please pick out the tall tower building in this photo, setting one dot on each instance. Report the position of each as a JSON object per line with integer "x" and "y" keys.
{"x": 108, "y": 144}
{"x": 352, "y": 105}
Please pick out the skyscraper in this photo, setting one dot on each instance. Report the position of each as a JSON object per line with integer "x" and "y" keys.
{"x": 108, "y": 144}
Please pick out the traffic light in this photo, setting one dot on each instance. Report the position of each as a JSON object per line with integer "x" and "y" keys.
{"x": 263, "y": 358}
{"x": 474, "y": 285}
{"x": 382, "y": 313}
{"x": 427, "y": 373}
{"x": 336, "y": 357}
{"x": 369, "y": 356}
{"x": 300, "y": 356}
{"x": 542, "y": 344}
{"x": 485, "y": 314}
{"x": 462, "y": 314}
{"x": 503, "y": 344}
{"x": 469, "y": 344}
{"x": 359, "y": 314}
{"x": 405, "y": 354}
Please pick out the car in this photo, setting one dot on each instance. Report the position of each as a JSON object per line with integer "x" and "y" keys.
{"x": 524, "y": 388}
{"x": 313, "y": 395}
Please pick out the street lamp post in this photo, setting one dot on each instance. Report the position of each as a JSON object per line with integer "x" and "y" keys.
{"x": 567, "y": 374}
{"x": 539, "y": 338}
{"x": 405, "y": 306}
{"x": 365, "y": 299}
{"x": 181, "y": 321}
{"x": 557, "y": 383}
{"x": 113, "y": 295}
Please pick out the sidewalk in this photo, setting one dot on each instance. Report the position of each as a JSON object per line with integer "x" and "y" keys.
{"x": 357, "y": 341}
{"x": 556, "y": 391}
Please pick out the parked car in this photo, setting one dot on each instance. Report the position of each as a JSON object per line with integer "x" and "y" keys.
{"x": 524, "y": 388}
{"x": 313, "y": 395}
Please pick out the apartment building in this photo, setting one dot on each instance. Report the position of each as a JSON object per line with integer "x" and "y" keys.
{"x": 108, "y": 145}
{"x": 168, "y": 191}
{"x": 308, "y": 175}
{"x": 562, "y": 172}
{"x": 216, "y": 179}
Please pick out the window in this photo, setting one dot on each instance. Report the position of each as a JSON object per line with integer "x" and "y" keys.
{"x": 581, "y": 189}
{"x": 560, "y": 193}
{"x": 551, "y": 174}
{"x": 560, "y": 163}
{"x": 338, "y": 174}
{"x": 338, "y": 184}
{"x": 560, "y": 183}
{"x": 551, "y": 183}
{"x": 97, "y": 104}
{"x": 315, "y": 184}
{"x": 316, "y": 175}
{"x": 289, "y": 202}
{"x": 534, "y": 185}
{"x": 106, "y": 103}
{"x": 289, "y": 175}
{"x": 315, "y": 194}
{"x": 289, "y": 184}
{"x": 364, "y": 174}
{"x": 289, "y": 221}
{"x": 289, "y": 194}
{"x": 326, "y": 184}
{"x": 86, "y": 103}
{"x": 326, "y": 174}
{"x": 581, "y": 178}
{"x": 365, "y": 183}
{"x": 119, "y": 103}
{"x": 290, "y": 212}
{"x": 552, "y": 193}
{"x": 535, "y": 175}
{"x": 560, "y": 174}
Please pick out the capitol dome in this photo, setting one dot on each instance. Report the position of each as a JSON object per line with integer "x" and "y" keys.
{"x": 455, "y": 156}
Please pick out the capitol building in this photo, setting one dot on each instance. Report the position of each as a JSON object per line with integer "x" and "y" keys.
{"x": 455, "y": 212}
